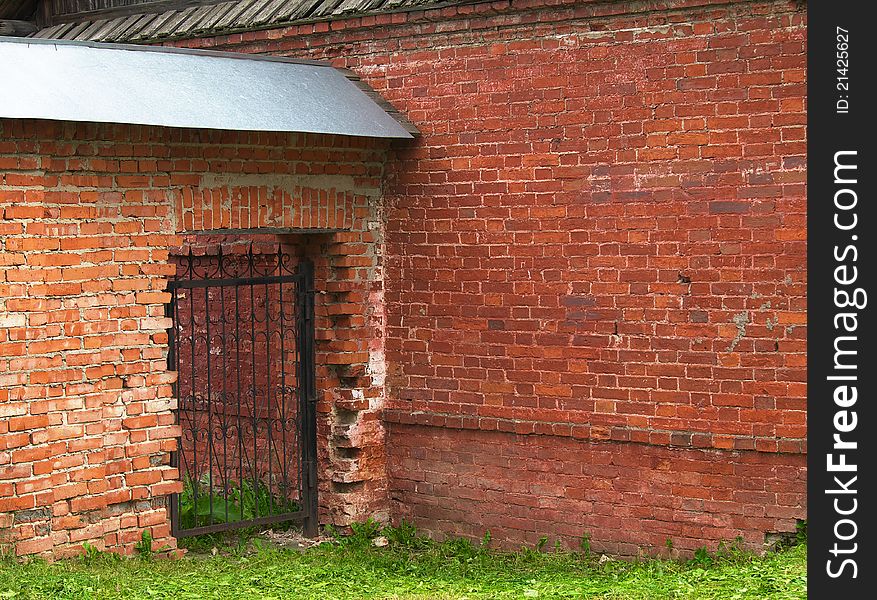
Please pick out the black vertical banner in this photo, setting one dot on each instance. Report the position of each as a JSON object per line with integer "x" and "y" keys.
{"x": 842, "y": 439}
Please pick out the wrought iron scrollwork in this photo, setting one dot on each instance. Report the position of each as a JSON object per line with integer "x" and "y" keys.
{"x": 242, "y": 346}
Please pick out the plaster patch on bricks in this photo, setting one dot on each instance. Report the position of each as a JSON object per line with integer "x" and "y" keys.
{"x": 286, "y": 182}
{"x": 741, "y": 320}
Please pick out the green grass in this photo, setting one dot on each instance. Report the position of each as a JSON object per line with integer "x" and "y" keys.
{"x": 409, "y": 567}
{"x": 202, "y": 503}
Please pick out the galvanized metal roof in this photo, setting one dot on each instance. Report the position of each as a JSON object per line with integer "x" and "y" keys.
{"x": 104, "y": 83}
{"x": 236, "y": 15}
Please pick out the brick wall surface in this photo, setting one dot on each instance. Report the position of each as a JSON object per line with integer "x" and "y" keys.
{"x": 599, "y": 236}
{"x": 629, "y": 499}
{"x": 89, "y": 216}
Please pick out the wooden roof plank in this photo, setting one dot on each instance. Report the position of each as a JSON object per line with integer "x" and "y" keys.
{"x": 79, "y": 28}
{"x": 118, "y": 26}
{"x": 159, "y": 20}
{"x": 231, "y": 16}
{"x": 109, "y": 25}
{"x": 172, "y": 24}
{"x": 62, "y": 30}
{"x": 325, "y": 8}
{"x": 267, "y": 15}
{"x": 296, "y": 9}
{"x": 46, "y": 33}
{"x": 137, "y": 27}
{"x": 195, "y": 17}
{"x": 89, "y": 31}
{"x": 246, "y": 17}
{"x": 214, "y": 16}
{"x": 119, "y": 32}
{"x": 345, "y": 6}
{"x": 374, "y": 5}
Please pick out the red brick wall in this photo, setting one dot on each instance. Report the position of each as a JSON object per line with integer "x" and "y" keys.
{"x": 599, "y": 236}
{"x": 631, "y": 498}
{"x": 88, "y": 217}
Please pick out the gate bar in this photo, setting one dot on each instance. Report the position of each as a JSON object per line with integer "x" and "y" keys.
{"x": 308, "y": 394}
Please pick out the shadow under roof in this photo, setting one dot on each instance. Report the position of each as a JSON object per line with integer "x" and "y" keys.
{"x": 110, "y": 83}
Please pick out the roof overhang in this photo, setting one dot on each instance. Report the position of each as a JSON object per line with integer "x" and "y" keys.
{"x": 173, "y": 87}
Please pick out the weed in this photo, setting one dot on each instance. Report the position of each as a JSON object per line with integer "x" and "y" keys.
{"x": 405, "y": 535}
{"x": 702, "y": 558}
{"x": 732, "y": 551}
{"x": 585, "y": 544}
{"x": 460, "y": 548}
{"x": 367, "y": 529}
{"x": 527, "y": 555}
{"x": 202, "y": 503}
{"x": 330, "y": 531}
{"x": 801, "y": 531}
{"x": 201, "y": 543}
{"x": 144, "y": 546}
{"x": 363, "y": 533}
{"x": 90, "y": 552}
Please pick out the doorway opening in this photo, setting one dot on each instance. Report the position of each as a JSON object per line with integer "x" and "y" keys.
{"x": 242, "y": 344}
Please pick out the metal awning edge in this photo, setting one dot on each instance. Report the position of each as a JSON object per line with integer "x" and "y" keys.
{"x": 363, "y": 104}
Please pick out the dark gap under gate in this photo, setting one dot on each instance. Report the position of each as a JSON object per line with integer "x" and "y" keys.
{"x": 242, "y": 344}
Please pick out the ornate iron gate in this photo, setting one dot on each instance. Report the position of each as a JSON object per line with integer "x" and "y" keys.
{"x": 243, "y": 347}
